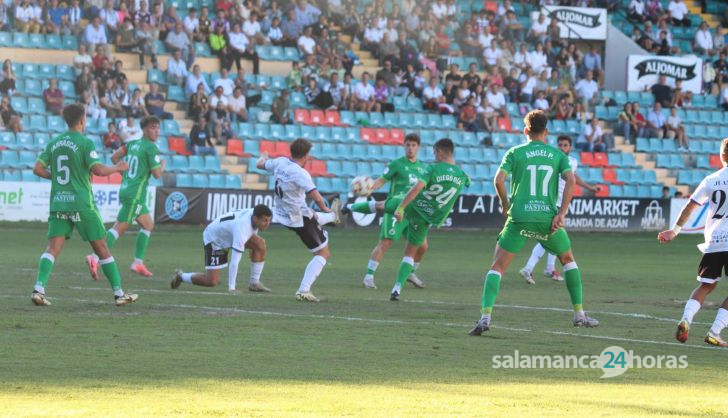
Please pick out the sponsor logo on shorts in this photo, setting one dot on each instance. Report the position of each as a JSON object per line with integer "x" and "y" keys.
{"x": 176, "y": 206}
{"x": 534, "y": 235}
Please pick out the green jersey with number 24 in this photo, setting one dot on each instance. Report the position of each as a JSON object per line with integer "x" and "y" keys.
{"x": 444, "y": 182}
{"x": 535, "y": 169}
{"x": 143, "y": 157}
{"x": 69, "y": 158}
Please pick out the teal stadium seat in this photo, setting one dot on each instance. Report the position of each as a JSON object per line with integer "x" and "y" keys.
{"x": 184, "y": 180}
{"x": 69, "y": 42}
{"x": 53, "y": 42}
{"x": 232, "y": 181}
{"x": 216, "y": 181}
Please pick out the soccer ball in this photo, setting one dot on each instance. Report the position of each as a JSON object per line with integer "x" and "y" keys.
{"x": 362, "y": 186}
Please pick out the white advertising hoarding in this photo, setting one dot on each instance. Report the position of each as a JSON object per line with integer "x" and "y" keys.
{"x": 696, "y": 222}
{"x": 577, "y": 22}
{"x": 20, "y": 201}
{"x": 643, "y": 71}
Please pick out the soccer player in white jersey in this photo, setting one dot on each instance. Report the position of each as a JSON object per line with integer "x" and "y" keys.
{"x": 237, "y": 231}
{"x": 714, "y": 190}
{"x": 564, "y": 143}
{"x": 292, "y": 185}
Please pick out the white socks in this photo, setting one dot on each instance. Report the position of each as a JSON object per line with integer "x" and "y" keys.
{"x": 256, "y": 269}
{"x": 570, "y": 266}
{"x": 721, "y": 321}
{"x": 691, "y": 308}
{"x": 414, "y": 266}
{"x": 313, "y": 269}
{"x": 186, "y": 277}
{"x": 372, "y": 265}
{"x": 550, "y": 262}
{"x": 325, "y": 218}
{"x": 536, "y": 254}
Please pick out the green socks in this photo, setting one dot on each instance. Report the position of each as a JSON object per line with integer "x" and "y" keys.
{"x": 142, "y": 241}
{"x": 362, "y": 207}
{"x": 573, "y": 284}
{"x": 491, "y": 287}
{"x": 111, "y": 237}
{"x": 45, "y": 267}
{"x": 111, "y": 271}
{"x": 405, "y": 268}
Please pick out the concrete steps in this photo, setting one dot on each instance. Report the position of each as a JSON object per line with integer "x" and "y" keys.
{"x": 641, "y": 158}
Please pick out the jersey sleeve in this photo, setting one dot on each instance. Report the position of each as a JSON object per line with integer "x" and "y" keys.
{"x": 390, "y": 171}
{"x": 304, "y": 181}
{"x": 564, "y": 165}
{"x": 153, "y": 158}
{"x": 241, "y": 234}
{"x": 90, "y": 156}
{"x": 466, "y": 180}
{"x": 270, "y": 165}
{"x": 427, "y": 176}
{"x": 45, "y": 156}
{"x": 701, "y": 194}
{"x": 507, "y": 164}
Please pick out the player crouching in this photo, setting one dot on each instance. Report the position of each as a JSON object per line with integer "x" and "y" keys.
{"x": 237, "y": 231}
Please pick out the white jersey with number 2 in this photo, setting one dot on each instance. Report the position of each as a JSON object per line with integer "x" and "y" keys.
{"x": 292, "y": 185}
{"x": 714, "y": 190}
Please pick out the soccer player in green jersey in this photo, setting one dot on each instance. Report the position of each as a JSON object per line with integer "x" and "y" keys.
{"x": 142, "y": 155}
{"x": 402, "y": 174}
{"x": 66, "y": 162}
{"x": 532, "y": 212}
{"x": 427, "y": 203}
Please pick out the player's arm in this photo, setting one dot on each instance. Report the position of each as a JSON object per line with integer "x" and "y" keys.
{"x": 378, "y": 183}
{"x": 41, "y": 170}
{"x": 235, "y": 257}
{"x": 409, "y": 197}
{"x": 260, "y": 164}
{"x": 106, "y": 170}
{"x": 666, "y": 236}
{"x": 500, "y": 188}
{"x": 316, "y": 197}
{"x": 586, "y": 185}
{"x": 118, "y": 154}
{"x": 558, "y": 221}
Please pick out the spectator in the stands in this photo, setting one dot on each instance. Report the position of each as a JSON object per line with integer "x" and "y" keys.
{"x": 527, "y": 82}
{"x": 678, "y": 13}
{"x": 587, "y": 90}
{"x": 110, "y": 101}
{"x": 252, "y": 29}
{"x": 177, "y": 40}
{"x": 432, "y": 95}
{"x": 110, "y": 19}
{"x": 676, "y": 130}
{"x": 538, "y": 33}
{"x": 636, "y": 11}
{"x": 703, "y": 42}
{"x": 25, "y": 18}
{"x": 492, "y": 55}
{"x": 724, "y": 97}
{"x": 564, "y": 109}
{"x": 201, "y": 138}
{"x": 83, "y": 81}
{"x": 219, "y": 118}
{"x": 129, "y": 130}
{"x": 94, "y": 34}
{"x": 382, "y": 92}
{"x": 81, "y": 59}
{"x": 591, "y": 138}
{"x": 92, "y": 99}
{"x": 511, "y": 28}
{"x": 53, "y": 97}
{"x": 137, "y": 108}
{"x": 291, "y": 29}
{"x": 238, "y": 107}
{"x": 154, "y": 102}
{"x": 541, "y": 103}
{"x": 315, "y": 97}
{"x": 581, "y": 113}
{"x": 280, "y": 109}
{"x": 7, "y": 79}
{"x": 653, "y": 10}
{"x": 656, "y": 122}
{"x": 662, "y": 92}
{"x": 75, "y": 14}
{"x": 275, "y": 34}
{"x": 719, "y": 39}
{"x": 54, "y": 17}
{"x": 111, "y": 139}
{"x": 593, "y": 62}
{"x": 640, "y": 120}
{"x": 177, "y": 69}
{"x": 337, "y": 90}
{"x": 199, "y": 104}
{"x": 194, "y": 79}
{"x": 306, "y": 14}
{"x": 12, "y": 120}
{"x": 218, "y": 41}
{"x": 468, "y": 116}
{"x": 496, "y": 99}
{"x": 363, "y": 98}
{"x": 306, "y": 44}
{"x": 389, "y": 50}
{"x": 241, "y": 47}
{"x": 191, "y": 23}
{"x": 628, "y": 125}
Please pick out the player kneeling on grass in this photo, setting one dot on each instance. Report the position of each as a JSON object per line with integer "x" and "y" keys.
{"x": 714, "y": 190}
{"x": 142, "y": 155}
{"x": 66, "y": 162}
{"x": 532, "y": 213}
{"x": 237, "y": 231}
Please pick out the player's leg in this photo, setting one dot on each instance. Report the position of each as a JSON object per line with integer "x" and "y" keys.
{"x": 550, "y": 270}
{"x": 527, "y": 271}
{"x": 369, "y": 206}
{"x": 510, "y": 242}
{"x": 720, "y": 322}
{"x": 374, "y": 258}
{"x": 257, "y": 248}
{"x": 56, "y": 238}
{"x": 316, "y": 240}
{"x": 123, "y": 219}
{"x": 416, "y": 232}
{"x": 146, "y": 225}
{"x": 709, "y": 273}
{"x": 215, "y": 260}
{"x": 412, "y": 278}
{"x": 333, "y": 217}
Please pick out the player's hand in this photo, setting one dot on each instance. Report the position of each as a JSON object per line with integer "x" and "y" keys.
{"x": 399, "y": 214}
{"x": 163, "y": 164}
{"x": 666, "y": 236}
{"x": 597, "y": 189}
{"x": 558, "y": 222}
{"x": 121, "y": 166}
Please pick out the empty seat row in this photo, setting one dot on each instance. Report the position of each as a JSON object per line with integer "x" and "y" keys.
{"x": 31, "y": 87}
{"x": 39, "y": 41}
{"x": 194, "y": 164}
{"x": 213, "y": 181}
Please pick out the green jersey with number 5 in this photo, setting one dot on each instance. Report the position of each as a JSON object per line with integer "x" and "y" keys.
{"x": 444, "y": 182}
{"x": 143, "y": 157}
{"x": 535, "y": 169}
{"x": 69, "y": 158}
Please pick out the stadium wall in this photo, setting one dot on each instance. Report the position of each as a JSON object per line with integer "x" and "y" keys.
{"x": 617, "y": 50}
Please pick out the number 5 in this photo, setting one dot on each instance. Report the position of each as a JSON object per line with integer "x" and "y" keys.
{"x": 62, "y": 169}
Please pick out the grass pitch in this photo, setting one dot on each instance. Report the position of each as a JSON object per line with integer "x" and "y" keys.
{"x": 204, "y": 352}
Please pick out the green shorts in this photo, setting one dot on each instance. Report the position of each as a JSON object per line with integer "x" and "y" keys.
{"x": 515, "y": 234}
{"x": 415, "y": 227}
{"x": 391, "y": 229}
{"x": 131, "y": 209}
{"x": 89, "y": 225}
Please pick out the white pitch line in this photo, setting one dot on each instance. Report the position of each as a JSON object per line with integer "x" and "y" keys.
{"x": 385, "y": 321}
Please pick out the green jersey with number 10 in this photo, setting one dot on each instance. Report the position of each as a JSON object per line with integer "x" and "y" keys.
{"x": 535, "y": 169}
{"x": 444, "y": 183}
{"x": 69, "y": 158}
{"x": 142, "y": 156}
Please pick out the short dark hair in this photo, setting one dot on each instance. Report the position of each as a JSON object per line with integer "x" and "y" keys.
{"x": 73, "y": 114}
{"x": 566, "y": 138}
{"x": 724, "y": 146}
{"x": 149, "y": 120}
{"x": 446, "y": 145}
{"x": 300, "y": 147}
{"x": 536, "y": 121}
{"x": 413, "y": 137}
{"x": 262, "y": 210}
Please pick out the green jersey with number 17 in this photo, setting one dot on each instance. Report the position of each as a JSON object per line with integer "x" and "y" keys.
{"x": 535, "y": 169}
{"x": 444, "y": 183}
{"x": 403, "y": 174}
{"x": 69, "y": 158}
{"x": 143, "y": 157}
